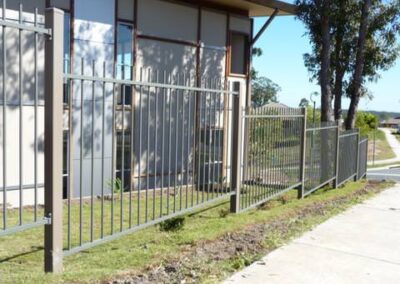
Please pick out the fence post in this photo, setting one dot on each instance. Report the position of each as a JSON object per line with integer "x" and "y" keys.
{"x": 358, "y": 156}
{"x": 303, "y": 155}
{"x": 53, "y": 237}
{"x": 337, "y": 162}
{"x": 236, "y": 172}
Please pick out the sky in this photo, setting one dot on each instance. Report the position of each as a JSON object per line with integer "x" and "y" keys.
{"x": 283, "y": 45}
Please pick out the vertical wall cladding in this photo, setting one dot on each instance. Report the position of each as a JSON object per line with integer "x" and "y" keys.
{"x": 240, "y": 25}
{"x": 13, "y": 98}
{"x": 213, "y": 44}
{"x": 172, "y": 113}
{"x": 93, "y": 44}
{"x": 213, "y": 34}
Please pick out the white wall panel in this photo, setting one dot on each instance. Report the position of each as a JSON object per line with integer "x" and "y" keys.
{"x": 239, "y": 24}
{"x": 29, "y": 7}
{"x": 171, "y": 57}
{"x": 213, "y": 28}
{"x": 94, "y": 20}
{"x": 212, "y": 64}
{"x": 168, "y": 20}
{"x": 126, "y": 9}
{"x": 61, "y": 4}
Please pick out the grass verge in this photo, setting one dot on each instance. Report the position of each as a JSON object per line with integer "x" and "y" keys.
{"x": 211, "y": 246}
{"x": 383, "y": 151}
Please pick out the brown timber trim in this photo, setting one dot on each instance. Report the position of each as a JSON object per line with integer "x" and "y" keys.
{"x": 245, "y": 55}
{"x": 211, "y": 5}
{"x": 167, "y": 40}
{"x": 115, "y": 31}
{"x": 249, "y": 63}
{"x": 226, "y": 101}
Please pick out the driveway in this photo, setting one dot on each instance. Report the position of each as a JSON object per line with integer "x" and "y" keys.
{"x": 389, "y": 174}
{"x": 362, "y": 245}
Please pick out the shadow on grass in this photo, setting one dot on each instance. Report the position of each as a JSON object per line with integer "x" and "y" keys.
{"x": 33, "y": 250}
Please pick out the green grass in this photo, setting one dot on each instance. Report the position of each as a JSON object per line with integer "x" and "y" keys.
{"x": 21, "y": 255}
{"x": 383, "y": 151}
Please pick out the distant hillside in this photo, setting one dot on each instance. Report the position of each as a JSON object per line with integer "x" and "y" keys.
{"x": 382, "y": 115}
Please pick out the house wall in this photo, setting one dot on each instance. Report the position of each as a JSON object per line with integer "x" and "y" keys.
{"x": 24, "y": 115}
{"x": 93, "y": 41}
{"x": 185, "y": 39}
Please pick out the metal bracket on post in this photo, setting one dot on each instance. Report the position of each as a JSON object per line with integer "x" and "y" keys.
{"x": 236, "y": 172}
{"x": 358, "y": 156}
{"x": 53, "y": 233}
{"x": 301, "y": 189}
{"x": 336, "y": 181}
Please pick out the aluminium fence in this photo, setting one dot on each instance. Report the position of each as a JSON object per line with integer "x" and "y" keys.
{"x": 363, "y": 157}
{"x": 125, "y": 152}
{"x": 273, "y": 147}
{"x": 22, "y": 101}
{"x": 321, "y": 153}
{"x": 348, "y": 156}
{"x": 134, "y": 165}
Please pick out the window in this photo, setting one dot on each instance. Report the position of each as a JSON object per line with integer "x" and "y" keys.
{"x": 67, "y": 53}
{"x": 123, "y": 153}
{"x": 239, "y": 53}
{"x": 124, "y": 61}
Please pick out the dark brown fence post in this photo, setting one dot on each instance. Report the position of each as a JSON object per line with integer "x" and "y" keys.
{"x": 303, "y": 155}
{"x": 236, "y": 171}
{"x": 336, "y": 181}
{"x": 53, "y": 236}
{"x": 358, "y": 156}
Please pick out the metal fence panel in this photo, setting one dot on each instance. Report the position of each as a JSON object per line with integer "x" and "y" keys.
{"x": 320, "y": 162}
{"x": 348, "y": 155}
{"x": 272, "y": 159}
{"x": 141, "y": 152}
{"x": 363, "y": 158}
{"x": 22, "y": 112}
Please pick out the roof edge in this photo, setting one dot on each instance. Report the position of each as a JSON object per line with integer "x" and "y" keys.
{"x": 287, "y": 8}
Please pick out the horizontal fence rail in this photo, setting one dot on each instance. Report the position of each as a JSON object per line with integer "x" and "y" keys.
{"x": 22, "y": 112}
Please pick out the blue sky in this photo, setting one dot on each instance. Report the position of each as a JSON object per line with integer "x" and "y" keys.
{"x": 284, "y": 44}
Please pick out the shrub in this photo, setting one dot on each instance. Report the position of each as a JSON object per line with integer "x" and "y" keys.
{"x": 173, "y": 225}
{"x": 223, "y": 213}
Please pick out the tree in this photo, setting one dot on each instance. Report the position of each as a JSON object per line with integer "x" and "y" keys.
{"x": 264, "y": 91}
{"x": 345, "y": 18}
{"x": 316, "y": 14}
{"x": 304, "y": 103}
{"x": 366, "y": 122}
{"x": 377, "y": 49}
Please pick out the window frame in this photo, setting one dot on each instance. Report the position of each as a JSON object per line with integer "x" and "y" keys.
{"x": 246, "y": 54}
{"x": 128, "y": 102}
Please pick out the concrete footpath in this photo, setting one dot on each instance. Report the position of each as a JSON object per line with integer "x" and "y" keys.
{"x": 362, "y": 245}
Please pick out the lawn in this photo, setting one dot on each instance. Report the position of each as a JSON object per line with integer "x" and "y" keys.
{"x": 383, "y": 151}
{"x": 21, "y": 255}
